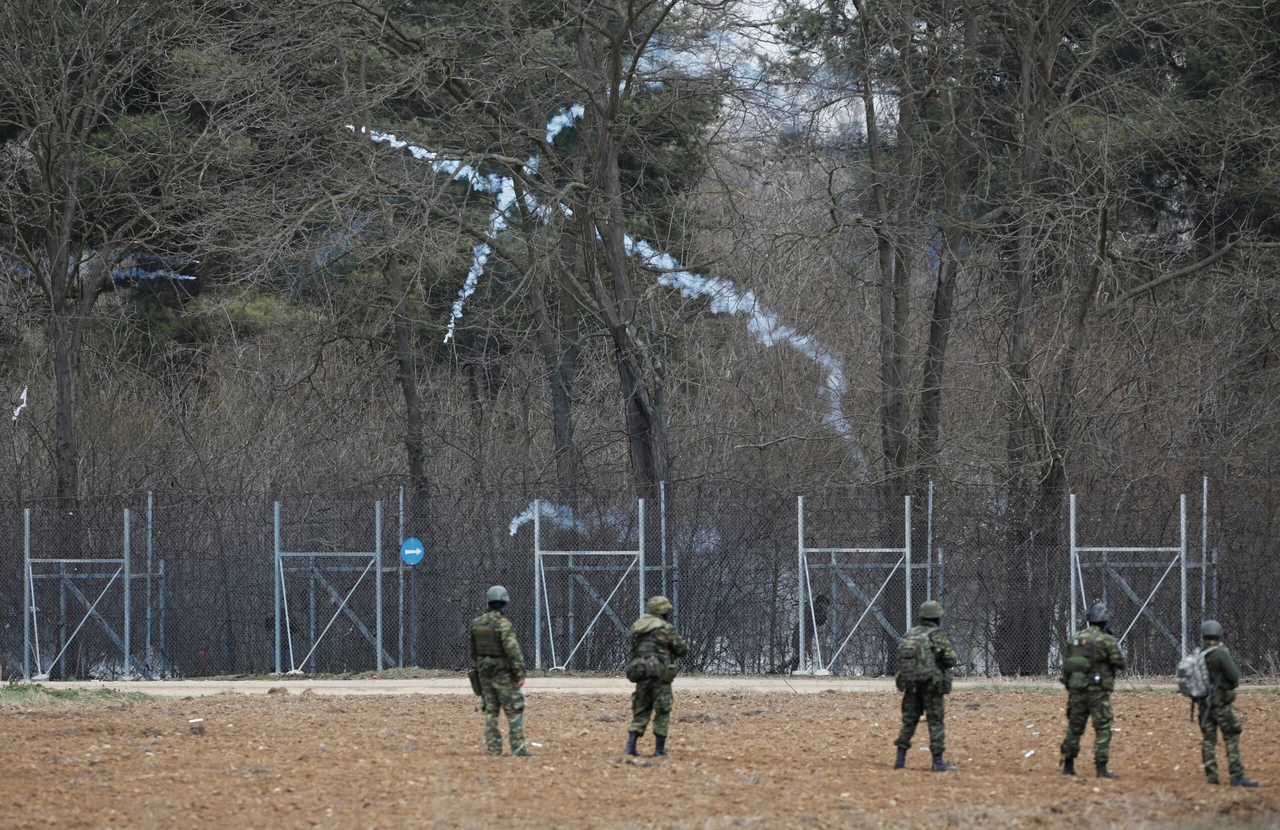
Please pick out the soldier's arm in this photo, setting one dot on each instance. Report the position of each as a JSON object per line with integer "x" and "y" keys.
{"x": 510, "y": 645}
{"x": 471, "y": 643}
{"x": 679, "y": 646}
{"x": 1116, "y": 657}
{"x": 1228, "y": 670}
{"x": 947, "y": 657}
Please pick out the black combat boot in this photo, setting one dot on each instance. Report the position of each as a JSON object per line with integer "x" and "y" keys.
{"x": 940, "y": 765}
{"x": 631, "y": 743}
{"x": 1069, "y": 766}
{"x": 660, "y": 746}
{"x": 1102, "y": 771}
{"x": 1244, "y": 782}
{"x": 901, "y": 760}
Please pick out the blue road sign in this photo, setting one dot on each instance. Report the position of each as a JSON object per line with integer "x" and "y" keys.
{"x": 411, "y": 551}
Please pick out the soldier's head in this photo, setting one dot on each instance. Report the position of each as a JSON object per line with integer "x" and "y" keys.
{"x": 931, "y": 613}
{"x": 658, "y": 606}
{"x": 1097, "y": 614}
{"x": 497, "y": 597}
{"x": 1211, "y": 630}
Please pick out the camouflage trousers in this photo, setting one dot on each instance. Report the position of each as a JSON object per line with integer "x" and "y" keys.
{"x": 501, "y": 691}
{"x": 923, "y": 700}
{"x": 1220, "y": 716}
{"x": 1094, "y": 703}
{"x": 651, "y": 697}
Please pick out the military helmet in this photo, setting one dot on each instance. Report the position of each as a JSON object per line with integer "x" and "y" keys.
{"x": 931, "y": 610}
{"x": 658, "y": 606}
{"x": 1211, "y": 628}
{"x": 1097, "y": 613}
{"x": 497, "y": 594}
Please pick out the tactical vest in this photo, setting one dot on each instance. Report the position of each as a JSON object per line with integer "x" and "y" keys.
{"x": 484, "y": 633}
{"x": 1085, "y": 646}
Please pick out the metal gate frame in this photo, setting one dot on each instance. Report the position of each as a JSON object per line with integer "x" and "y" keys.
{"x": 316, "y": 573}
{"x": 1109, "y": 570}
{"x": 66, "y": 583}
{"x": 575, "y": 570}
{"x": 837, "y": 568}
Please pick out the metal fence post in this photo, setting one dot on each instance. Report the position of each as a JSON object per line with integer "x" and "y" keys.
{"x": 400, "y": 584}
{"x": 537, "y": 583}
{"x": 1182, "y": 509}
{"x": 640, "y": 553}
{"x": 275, "y": 562}
{"x": 1204, "y": 546}
{"x": 662, "y": 540}
{"x": 147, "y": 661}
{"x": 377, "y": 558}
{"x": 128, "y": 585}
{"x": 675, "y": 563}
{"x": 28, "y": 606}
{"x": 1071, "y": 565}
{"x": 928, "y": 548}
{"x": 801, "y": 660}
{"x": 906, "y": 505}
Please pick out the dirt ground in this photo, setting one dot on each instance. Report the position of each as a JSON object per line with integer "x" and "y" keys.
{"x": 739, "y": 760}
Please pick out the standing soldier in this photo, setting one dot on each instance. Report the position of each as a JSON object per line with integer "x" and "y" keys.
{"x": 925, "y": 659}
{"x": 1093, "y": 657}
{"x": 1216, "y": 711}
{"x": 655, "y": 645}
{"x": 491, "y": 640}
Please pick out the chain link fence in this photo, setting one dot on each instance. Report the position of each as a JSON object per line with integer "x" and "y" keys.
{"x": 205, "y": 580}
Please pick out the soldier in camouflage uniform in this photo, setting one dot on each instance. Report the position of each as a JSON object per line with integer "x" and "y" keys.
{"x": 926, "y": 698}
{"x": 1092, "y": 659}
{"x": 1216, "y": 712}
{"x": 491, "y": 641}
{"x": 654, "y": 696}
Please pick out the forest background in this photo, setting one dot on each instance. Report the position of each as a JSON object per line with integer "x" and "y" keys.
{"x": 741, "y": 250}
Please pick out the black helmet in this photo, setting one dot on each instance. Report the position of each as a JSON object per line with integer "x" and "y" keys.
{"x": 1211, "y": 628}
{"x": 1097, "y": 613}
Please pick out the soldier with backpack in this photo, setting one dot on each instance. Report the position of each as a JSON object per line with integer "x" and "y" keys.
{"x": 925, "y": 659}
{"x": 1209, "y": 677}
{"x": 655, "y": 645}
{"x": 1092, "y": 659}
{"x": 498, "y": 673}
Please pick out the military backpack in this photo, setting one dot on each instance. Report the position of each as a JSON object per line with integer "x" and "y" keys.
{"x": 917, "y": 662}
{"x": 1193, "y": 674}
{"x": 645, "y": 662}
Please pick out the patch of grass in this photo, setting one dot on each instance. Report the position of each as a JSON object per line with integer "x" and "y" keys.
{"x": 36, "y": 695}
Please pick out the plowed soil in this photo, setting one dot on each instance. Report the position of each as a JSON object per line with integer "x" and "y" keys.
{"x": 738, "y": 760}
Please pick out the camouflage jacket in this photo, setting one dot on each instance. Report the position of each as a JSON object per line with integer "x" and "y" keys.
{"x": 663, "y": 634}
{"x": 944, "y": 653}
{"x": 1103, "y": 653}
{"x": 1223, "y": 671}
{"x": 512, "y": 658}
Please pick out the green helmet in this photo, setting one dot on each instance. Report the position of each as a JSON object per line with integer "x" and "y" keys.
{"x": 1211, "y": 628}
{"x": 497, "y": 594}
{"x": 658, "y": 606}
{"x": 1097, "y": 613}
{"x": 931, "y": 610}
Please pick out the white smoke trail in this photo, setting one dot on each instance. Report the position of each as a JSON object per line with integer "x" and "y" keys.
{"x": 22, "y": 404}
{"x": 559, "y": 514}
{"x": 763, "y": 324}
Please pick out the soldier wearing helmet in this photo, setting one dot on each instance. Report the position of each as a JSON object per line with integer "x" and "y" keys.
{"x": 1216, "y": 711}
{"x": 925, "y": 660}
{"x": 655, "y": 646}
{"x": 491, "y": 641}
{"x": 1091, "y": 660}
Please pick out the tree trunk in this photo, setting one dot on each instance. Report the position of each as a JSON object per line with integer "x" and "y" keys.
{"x": 415, "y": 453}
{"x": 64, "y": 372}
